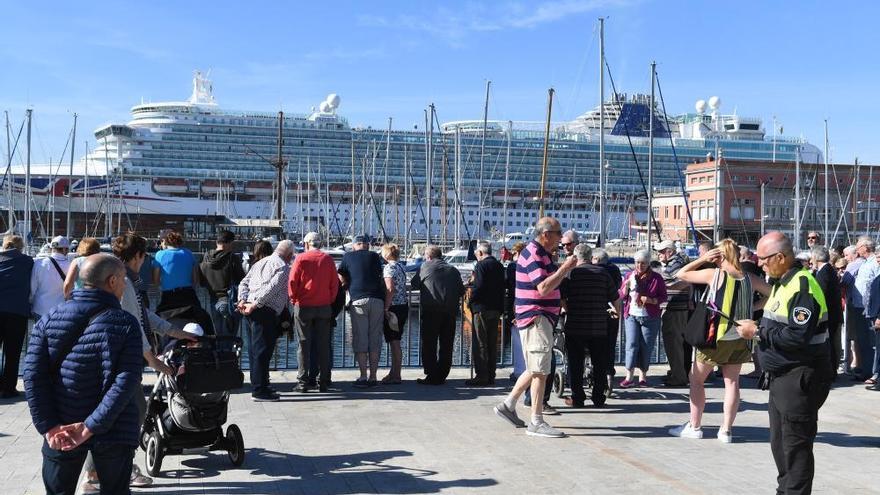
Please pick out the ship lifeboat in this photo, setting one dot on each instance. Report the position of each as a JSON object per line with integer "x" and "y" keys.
{"x": 210, "y": 186}
{"x": 340, "y": 190}
{"x": 165, "y": 185}
{"x": 258, "y": 187}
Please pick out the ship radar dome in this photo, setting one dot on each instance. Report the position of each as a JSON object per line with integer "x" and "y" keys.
{"x": 333, "y": 100}
{"x": 700, "y": 106}
{"x": 714, "y": 102}
{"x": 325, "y": 107}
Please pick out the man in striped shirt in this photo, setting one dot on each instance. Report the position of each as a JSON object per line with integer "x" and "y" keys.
{"x": 537, "y": 306}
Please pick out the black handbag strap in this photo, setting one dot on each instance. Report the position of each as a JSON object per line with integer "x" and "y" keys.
{"x": 58, "y": 268}
{"x": 56, "y": 367}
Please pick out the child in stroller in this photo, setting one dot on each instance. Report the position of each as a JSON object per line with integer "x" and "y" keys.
{"x": 186, "y": 412}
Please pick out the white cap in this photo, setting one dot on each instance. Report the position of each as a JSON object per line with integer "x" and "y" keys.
{"x": 194, "y": 329}
{"x": 667, "y": 244}
{"x": 60, "y": 242}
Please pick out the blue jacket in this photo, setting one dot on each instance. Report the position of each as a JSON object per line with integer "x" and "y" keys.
{"x": 15, "y": 282}
{"x": 97, "y": 380}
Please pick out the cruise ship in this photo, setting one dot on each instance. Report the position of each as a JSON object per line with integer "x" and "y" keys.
{"x": 194, "y": 165}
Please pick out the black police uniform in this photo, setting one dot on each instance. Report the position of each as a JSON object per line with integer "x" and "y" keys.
{"x": 794, "y": 350}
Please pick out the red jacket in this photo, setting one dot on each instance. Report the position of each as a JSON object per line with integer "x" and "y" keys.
{"x": 313, "y": 279}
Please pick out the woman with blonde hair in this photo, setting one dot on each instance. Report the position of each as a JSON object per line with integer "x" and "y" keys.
{"x": 87, "y": 247}
{"x": 733, "y": 291}
{"x": 396, "y": 308}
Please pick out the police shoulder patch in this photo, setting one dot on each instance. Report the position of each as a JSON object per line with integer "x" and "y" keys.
{"x": 801, "y": 315}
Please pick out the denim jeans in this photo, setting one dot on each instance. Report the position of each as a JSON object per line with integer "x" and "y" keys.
{"x": 112, "y": 462}
{"x": 223, "y": 315}
{"x": 875, "y": 370}
{"x": 641, "y": 337}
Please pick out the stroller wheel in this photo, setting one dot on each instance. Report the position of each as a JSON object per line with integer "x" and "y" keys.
{"x": 154, "y": 454}
{"x": 235, "y": 445}
{"x": 559, "y": 383}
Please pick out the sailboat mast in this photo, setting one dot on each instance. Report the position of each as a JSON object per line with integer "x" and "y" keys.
{"x": 108, "y": 213}
{"x": 385, "y": 183}
{"x": 26, "y": 233}
{"x": 70, "y": 177}
{"x": 480, "y": 192}
{"x": 855, "y": 201}
{"x": 602, "y": 204}
{"x": 11, "y": 221}
{"x": 828, "y": 241}
{"x": 279, "y": 165}
{"x": 429, "y": 172}
{"x": 407, "y": 194}
{"x": 457, "y": 186}
{"x": 651, "y": 155}
{"x": 86, "y": 192}
{"x": 544, "y": 162}
{"x": 797, "y": 199}
{"x": 506, "y": 180}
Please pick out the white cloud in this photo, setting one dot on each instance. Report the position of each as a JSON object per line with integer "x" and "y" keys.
{"x": 455, "y": 26}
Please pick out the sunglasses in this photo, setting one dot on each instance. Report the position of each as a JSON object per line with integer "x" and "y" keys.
{"x": 762, "y": 258}
{"x": 812, "y": 237}
{"x": 566, "y": 244}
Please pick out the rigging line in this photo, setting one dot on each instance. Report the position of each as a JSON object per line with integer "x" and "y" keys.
{"x": 9, "y": 165}
{"x": 579, "y": 78}
{"x": 723, "y": 161}
{"x": 455, "y": 189}
{"x": 843, "y": 214}
{"x": 687, "y": 206}
{"x": 839, "y": 202}
{"x": 632, "y": 151}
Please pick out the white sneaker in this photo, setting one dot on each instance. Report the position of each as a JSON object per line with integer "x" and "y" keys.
{"x": 725, "y": 436}
{"x": 686, "y": 431}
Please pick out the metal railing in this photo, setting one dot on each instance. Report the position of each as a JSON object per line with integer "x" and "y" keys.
{"x": 285, "y": 357}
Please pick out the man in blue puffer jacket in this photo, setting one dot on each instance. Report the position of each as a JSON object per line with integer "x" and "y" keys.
{"x": 82, "y": 369}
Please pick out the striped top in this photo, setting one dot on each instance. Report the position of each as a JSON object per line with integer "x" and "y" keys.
{"x": 533, "y": 267}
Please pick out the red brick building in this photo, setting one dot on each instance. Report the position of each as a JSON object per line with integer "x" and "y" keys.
{"x": 746, "y": 190}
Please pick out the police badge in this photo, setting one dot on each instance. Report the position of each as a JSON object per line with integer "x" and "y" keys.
{"x": 801, "y": 315}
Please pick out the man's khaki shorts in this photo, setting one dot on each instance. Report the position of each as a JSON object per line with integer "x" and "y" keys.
{"x": 537, "y": 345}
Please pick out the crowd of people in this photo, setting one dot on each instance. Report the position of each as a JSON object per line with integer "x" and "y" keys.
{"x": 811, "y": 318}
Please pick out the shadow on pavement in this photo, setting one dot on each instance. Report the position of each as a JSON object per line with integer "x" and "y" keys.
{"x": 408, "y": 391}
{"x": 365, "y": 472}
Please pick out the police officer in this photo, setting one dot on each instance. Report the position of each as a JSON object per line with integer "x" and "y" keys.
{"x": 794, "y": 350}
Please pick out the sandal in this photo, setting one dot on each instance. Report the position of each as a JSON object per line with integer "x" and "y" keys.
{"x": 388, "y": 380}
{"x": 871, "y": 381}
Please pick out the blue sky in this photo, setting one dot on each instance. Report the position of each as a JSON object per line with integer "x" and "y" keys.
{"x": 800, "y": 61}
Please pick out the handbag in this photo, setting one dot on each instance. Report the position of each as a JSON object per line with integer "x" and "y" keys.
{"x": 701, "y": 330}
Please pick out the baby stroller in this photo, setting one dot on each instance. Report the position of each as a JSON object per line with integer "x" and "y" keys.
{"x": 560, "y": 379}
{"x": 186, "y": 413}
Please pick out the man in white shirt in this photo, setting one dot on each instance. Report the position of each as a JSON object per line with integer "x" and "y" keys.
{"x": 47, "y": 278}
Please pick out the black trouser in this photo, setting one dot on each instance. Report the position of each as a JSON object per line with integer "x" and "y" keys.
{"x": 313, "y": 331}
{"x": 12, "y": 330}
{"x": 795, "y": 399}
{"x": 112, "y": 462}
{"x": 575, "y": 345}
{"x": 263, "y": 332}
{"x": 834, "y": 332}
{"x": 437, "y": 327}
{"x": 484, "y": 349}
{"x": 678, "y": 352}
